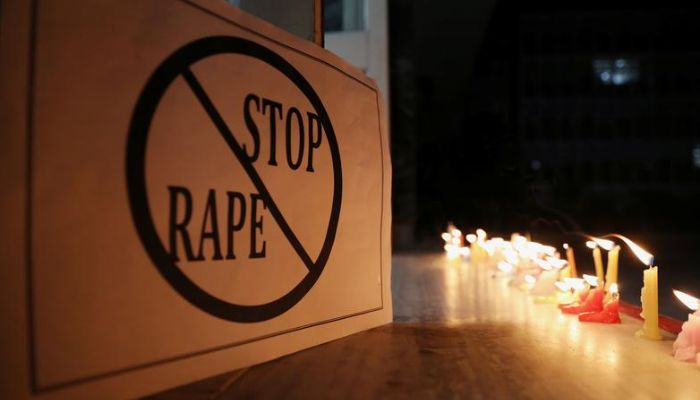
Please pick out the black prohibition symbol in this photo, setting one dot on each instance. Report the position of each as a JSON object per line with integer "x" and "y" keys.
{"x": 176, "y": 65}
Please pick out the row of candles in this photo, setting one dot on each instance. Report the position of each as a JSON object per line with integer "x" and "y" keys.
{"x": 540, "y": 269}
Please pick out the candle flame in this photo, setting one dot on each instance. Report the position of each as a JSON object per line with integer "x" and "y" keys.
{"x": 563, "y": 286}
{"x": 530, "y": 279}
{"x": 691, "y": 302}
{"x": 456, "y": 232}
{"x": 643, "y": 255}
{"x": 591, "y": 244}
{"x": 545, "y": 265}
{"x": 446, "y": 236}
{"x": 566, "y": 246}
{"x": 455, "y": 240}
{"x": 511, "y": 256}
{"x": 604, "y": 243}
{"x": 574, "y": 283}
{"x": 591, "y": 280}
{"x": 548, "y": 250}
{"x": 557, "y": 262}
{"x": 505, "y": 267}
{"x": 519, "y": 240}
{"x": 481, "y": 234}
{"x": 471, "y": 238}
{"x": 452, "y": 251}
{"x": 614, "y": 289}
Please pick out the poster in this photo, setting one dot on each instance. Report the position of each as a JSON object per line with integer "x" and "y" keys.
{"x": 189, "y": 190}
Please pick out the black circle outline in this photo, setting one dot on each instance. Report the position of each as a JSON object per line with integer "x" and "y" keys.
{"x": 146, "y": 107}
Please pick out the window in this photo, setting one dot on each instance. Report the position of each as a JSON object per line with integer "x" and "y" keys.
{"x": 344, "y": 15}
{"x": 616, "y": 72}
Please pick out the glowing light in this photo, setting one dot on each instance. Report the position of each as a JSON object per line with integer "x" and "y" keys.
{"x": 691, "y": 302}
{"x": 545, "y": 265}
{"x": 446, "y": 236}
{"x": 566, "y": 246}
{"x": 590, "y": 279}
{"x": 481, "y": 234}
{"x": 505, "y": 267}
{"x": 644, "y": 256}
{"x": 591, "y": 244}
{"x": 563, "y": 286}
{"x": 511, "y": 256}
{"x": 452, "y": 251}
{"x": 613, "y": 289}
{"x": 604, "y": 243}
{"x": 471, "y": 238}
{"x": 548, "y": 250}
{"x": 456, "y": 232}
{"x": 556, "y": 262}
{"x": 575, "y": 283}
{"x": 455, "y": 240}
{"x": 530, "y": 279}
{"x": 520, "y": 240}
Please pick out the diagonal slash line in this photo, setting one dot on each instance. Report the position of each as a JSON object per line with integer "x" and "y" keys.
{"x": 247, "y": 165}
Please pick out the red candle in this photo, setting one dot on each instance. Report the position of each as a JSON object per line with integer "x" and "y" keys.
{"x": 583, "y": 294}
{"x": 593, "y": 302}
{"x": 610, "y": 313}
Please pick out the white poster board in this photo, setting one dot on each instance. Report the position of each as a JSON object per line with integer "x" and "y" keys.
{"x": 188, "y": 190}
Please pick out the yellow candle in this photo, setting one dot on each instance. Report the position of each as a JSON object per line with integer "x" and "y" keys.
{"x": 611, "y": 273}
{"x": 650, "y": 305}
{"x": 598, "y": 261}
{"x": 572, "y": 261}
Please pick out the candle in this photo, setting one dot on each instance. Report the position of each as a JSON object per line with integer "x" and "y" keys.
{"x": 579, "y": 287}
{"x": 650, "y": 305}
{"x": 527, "y": 282}
{"x": 650, "y": 291}
{"x": 597, "y": 259}
{"x": 610, "y": 313}
{"x": 545, "y": 284}
{"x": 687, "y": 344}
{"x": 593, "y": 301}
{"x": 611, "y": 273}
{"x": 478, "y": 252}
{"x": 572, "y": 261}
{"x": 454, "y": 243}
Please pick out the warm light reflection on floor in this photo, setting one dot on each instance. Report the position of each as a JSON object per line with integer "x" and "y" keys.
{"x": 472, "y": 301}
{"x": 478, "y": 294}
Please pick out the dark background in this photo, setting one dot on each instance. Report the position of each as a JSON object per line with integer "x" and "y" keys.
{"x": 549, "y": 117}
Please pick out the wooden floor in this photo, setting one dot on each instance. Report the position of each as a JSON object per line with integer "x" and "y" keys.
{"x": 460, "y": 333}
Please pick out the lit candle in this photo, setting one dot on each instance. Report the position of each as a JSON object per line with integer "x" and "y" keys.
{"x": 597, "y": 259}
{"x": 565, "y": 294}
{"x": 610, "y": 313}
{"x": 572, "y": 260}
{"x": 579, "y": 287}
{"x": 593, "y": 301}
{"x": 528, "y": 282}
{"x": 611, "y": 273}
{"x": 454, "y": 243}
{"x": 545, "y": 283}
{"x": 650, "y": 291}
{"x": 687, "y": 344}
{"x": 650, "y": 305}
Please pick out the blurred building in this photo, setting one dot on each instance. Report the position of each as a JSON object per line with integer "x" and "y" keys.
{"x": 606, "y": 111}
{"x": 357, "y": 30}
